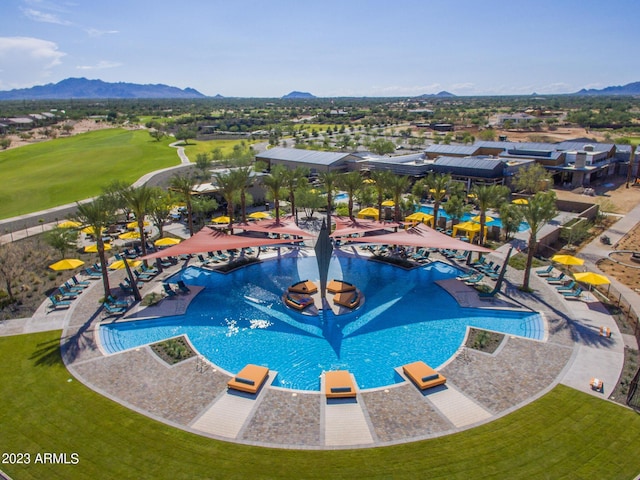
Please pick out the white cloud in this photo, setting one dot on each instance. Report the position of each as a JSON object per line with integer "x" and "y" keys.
{"x": 39, "y": 16}
{"x": 101, "y": 65}
{"x": 94, "y": 32}
{"x": 27, "y": 61}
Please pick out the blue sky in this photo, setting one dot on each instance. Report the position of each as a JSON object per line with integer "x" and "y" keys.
{"x": 329, "y": 48}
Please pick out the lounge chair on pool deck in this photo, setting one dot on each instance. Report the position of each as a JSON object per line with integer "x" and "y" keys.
{"x": 55, "y": 303}
{"x": 249, "y": 379}
{"x": 347, "y": 299}
{"x": 573, "y": 295}
{"x": 568, "y": 287}
{"x": 339, "y": 384}
{"x": 304, "y": 286}
{"x": 339, "y": 286}
{"x": 298, "y": 302}
{"x": 168, "y": 290}
{"x": 545, "y": 272}
{"x": 423, "y": 375}
{"x": 557, "y": 280}
{"x": 182, "y": 287}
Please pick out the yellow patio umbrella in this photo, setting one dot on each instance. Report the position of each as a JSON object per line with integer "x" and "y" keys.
{"x": 420, "y": 217}
{"x": 520, "y": 201}
{"x": 487, "y": 219}
{"x": 591, "y": 278}
{"x": 134, "y": 224}
{"x": 433, "y": 190}
{"x": 133, "y": 235}
{"x": 119, "y": 264}
{"x": 469, "y": 228}
{"x": 259, "y": 215}
{"x": 222, "y": 219}
{"x": 66, "y": 264}
{"x": 567, "y": 260}
{"x": 93, "y": 248}
{"x": 388, "y": 203}
{"x": 90, "y": 231}
{"x": 369, "y": 212}
{"x": 166, "y": 242}
{"x": 69, "y": 224}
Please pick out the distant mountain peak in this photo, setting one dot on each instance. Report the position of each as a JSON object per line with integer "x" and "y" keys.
{"x": 628, "y": 89}
{"x": 442, "y": 94}
{"x": 88, "y": 89}
{"x": 298, "y": 95}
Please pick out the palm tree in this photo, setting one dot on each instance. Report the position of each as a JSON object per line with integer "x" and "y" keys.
{"x": 486, "y": 197}
{"x": 439, "y": 185}
{"x": 329, "y": 179}
{"x": 139, "y": 201}
{"x": 244, "y": 178}
{"x": 456, "y": 208}
{"x": 538, "y": 212}
{"x": 350, "y": 182}
{"x": 229, "y": 186}
{"x": 183, "y": 186}
{"x": 160, "y": 207}
{"x": 398, "y": 185}
{"x": 274, "y": 183}
{"x": 98, "y": 215}
{"x": 293, "y": 179}
{"x": 382, "y": 179}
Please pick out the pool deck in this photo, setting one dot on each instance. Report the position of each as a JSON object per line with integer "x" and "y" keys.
{"x": 480, "y": 387}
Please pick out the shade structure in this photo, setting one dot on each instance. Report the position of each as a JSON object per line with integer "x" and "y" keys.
{"x": 369, "y": 181}
{"x": 90, "y": 231}
{"x": 119, "y": 264}
{"x": 134, "y": 224}
{"x": 166, "y": 242}
{"x": 420, "y": 217}
{"x": 69, "y": 224}
{"x": 222, "y": 219}
{"x": 259, "y": 215}
{"x": 66, "y": 264}
{"x": 209, "y": 239}
{"x": 388, "y": 203}
{"x": 567, "y": 260}
{"x": 487, "y": 219}
{"x": 286, "y": 226}
{"x": 133, "y": 235}
{"x": 369, "y": 212}
{"x": 420, "y": 236}
{"x": 93, "y": 248}
{"x": 520, "y": 201}
{"x": 591, "y": 278}
{"x": 346, "y": 226}
{"x": 470, "y": 229}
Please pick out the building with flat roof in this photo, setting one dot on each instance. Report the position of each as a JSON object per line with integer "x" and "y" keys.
{"x": 316, "y": 161}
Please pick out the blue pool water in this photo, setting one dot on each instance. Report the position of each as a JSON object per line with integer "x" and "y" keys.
{"x": 468, "y": 216}
{"x": 239, "y": 318}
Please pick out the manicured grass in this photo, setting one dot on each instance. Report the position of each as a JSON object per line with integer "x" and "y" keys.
{"x": 195, "y": 147}
{"x": 565, "y": 434}
{"x": 65, "y": 170}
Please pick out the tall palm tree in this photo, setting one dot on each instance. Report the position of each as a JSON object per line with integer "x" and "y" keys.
{"x": 183, "y": 186}
{"x": 540, "y": 210}
{"x": 398, "y": 185}
{"x": 383, "y": 179}
{"x": 486, "y": 197}
{"x": 274, "y": 183}
{"x": 294, "y": 179}
{"x": 229, "y": 185}
{"x": 139, "y": 200}
{"x": 350, "y": 182}
{"x": 244, "y": 178}
{"x": 160, "y": 207}
{"x": 439, "y": 185}
{"x": 98, "y": 215}
{"x": 329, "y": 180}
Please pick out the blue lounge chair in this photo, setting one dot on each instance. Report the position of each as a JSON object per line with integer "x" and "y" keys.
{"x": 55, "y": 303}
{"x": 65, "y": 295}
{"x": 568, "y": 287}
{"x": 168, "y": 290}
{"x": 113, "y": 301}
{"x": 473, "y": 280}
{"x": 555, "y": 280}
{"x": 545, "y": 272}
{"x": 72, "y": 288}
{"x": 77, "y": 282}
{"x": 574, "y": 294}
{"x": 182, "y": 287}
{"x": 113, "y": 310}
{"x": 143, "y": 277}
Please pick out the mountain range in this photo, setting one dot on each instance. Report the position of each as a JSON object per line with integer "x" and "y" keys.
{"x": 84, "y": 88}
{"x": 628, "y": 89}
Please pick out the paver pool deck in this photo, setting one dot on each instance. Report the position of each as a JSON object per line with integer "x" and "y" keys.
{"x": 480, "y": 387}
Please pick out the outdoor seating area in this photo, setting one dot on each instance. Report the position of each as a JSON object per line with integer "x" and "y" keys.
{"x": 298, "y": 301}
{"x": 350, "y": 299}
{"x": 340, "y": 286}
{"x": 304, "y": 286}
{"x": 422, "y": 375}
{"x": 249, "y": 379}
{"x": 339, "y": 384}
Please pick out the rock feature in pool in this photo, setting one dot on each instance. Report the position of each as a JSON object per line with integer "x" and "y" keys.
{"x": 305, "y": 297}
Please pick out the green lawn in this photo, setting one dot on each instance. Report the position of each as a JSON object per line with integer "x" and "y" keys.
{"x": 194, "y": 147}
{"x": 57, "y": 172}
{"x": 565, "y": 434}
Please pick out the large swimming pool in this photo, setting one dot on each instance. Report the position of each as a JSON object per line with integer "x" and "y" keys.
{"x": 239, "y": 318}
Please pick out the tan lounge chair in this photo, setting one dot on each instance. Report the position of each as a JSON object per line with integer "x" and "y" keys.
{"x": 339, "y": 384}
{"x": 347, "y": 299}
{"x": 305, "y": 286}
{"x": 249, "y": 379}
{"x": 340, "y": 286}
{"x": 423, "y": 375}
{"x": 299, "y": 302}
